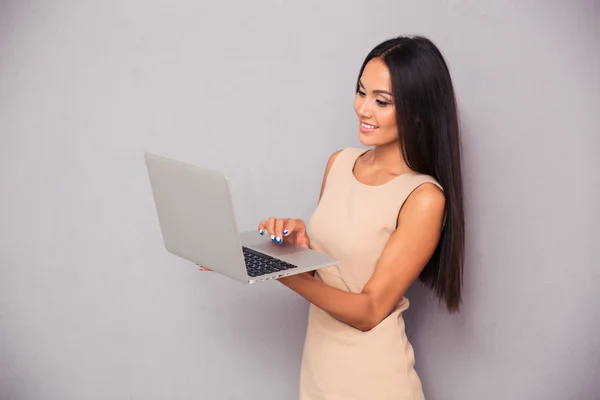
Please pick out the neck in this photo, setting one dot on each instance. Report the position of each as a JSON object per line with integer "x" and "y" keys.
{"x": 389, "y": 157}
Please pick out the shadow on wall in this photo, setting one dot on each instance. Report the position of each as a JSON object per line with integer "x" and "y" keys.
{"x": 423, "y": 307}
{"x": 424, "y": 313}
{"x": 456, "y": 331}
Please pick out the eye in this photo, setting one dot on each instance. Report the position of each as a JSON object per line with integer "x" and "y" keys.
{"x": 360, "y": 93}
{"x": 382, "y": 103}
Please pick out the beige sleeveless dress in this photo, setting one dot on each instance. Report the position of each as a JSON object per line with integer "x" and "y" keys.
{"x": 353, "y": 222}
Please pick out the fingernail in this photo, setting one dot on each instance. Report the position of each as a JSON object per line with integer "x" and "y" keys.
{"x": 262, "y": 232}
{"x": 273, "y": 237}
{"x": 285, "y": 232}
{"x": 279, "y": 240}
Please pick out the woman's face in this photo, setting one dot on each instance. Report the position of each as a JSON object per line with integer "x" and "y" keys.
{"x": 374, "y": 105}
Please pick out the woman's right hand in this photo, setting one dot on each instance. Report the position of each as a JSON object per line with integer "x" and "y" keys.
{"x": 285, "y": 229}
{"x": 280, "y": 229}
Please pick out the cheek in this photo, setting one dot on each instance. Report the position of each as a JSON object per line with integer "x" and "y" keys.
{"x": 387, "y": 119}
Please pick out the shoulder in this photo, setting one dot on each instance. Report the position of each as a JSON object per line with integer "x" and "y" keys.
{"x": 428, "y": 195}
{"x": 345, "y": 151}
{"x": 330, "y": 161}
{"x": 426, "y": 203}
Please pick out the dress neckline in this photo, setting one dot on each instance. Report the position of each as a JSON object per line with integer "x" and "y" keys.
{"x": 355, "y": 179}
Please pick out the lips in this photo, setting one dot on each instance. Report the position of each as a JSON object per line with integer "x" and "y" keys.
{"x": 367, "y": 129}
{"x": 368, "y": 126}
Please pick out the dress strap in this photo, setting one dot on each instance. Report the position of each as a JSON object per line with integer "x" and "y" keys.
{"x": 341, "y": 170}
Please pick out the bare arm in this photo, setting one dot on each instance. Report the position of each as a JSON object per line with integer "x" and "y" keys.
{"x": 405, "y": 255}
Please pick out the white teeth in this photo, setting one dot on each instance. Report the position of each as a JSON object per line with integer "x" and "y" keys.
{"x": 368, "y": 126}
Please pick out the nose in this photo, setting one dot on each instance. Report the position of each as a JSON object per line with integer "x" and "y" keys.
{"x": 364, "y": 109}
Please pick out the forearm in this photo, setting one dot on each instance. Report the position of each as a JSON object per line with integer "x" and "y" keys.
{"x": 355, "y": 309}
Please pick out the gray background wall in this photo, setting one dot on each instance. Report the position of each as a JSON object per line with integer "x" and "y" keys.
{"x": 91, "y": 306}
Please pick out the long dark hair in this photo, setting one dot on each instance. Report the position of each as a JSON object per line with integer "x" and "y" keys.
{"x": 429, "y": 139}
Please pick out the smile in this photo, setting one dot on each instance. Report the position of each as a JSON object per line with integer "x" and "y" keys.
{"x": 367, "y": 126}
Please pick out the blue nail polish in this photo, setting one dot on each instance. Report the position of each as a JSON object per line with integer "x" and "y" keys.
{"x": 279, "y": 240}
{"x": 262, "y": 232}
{"x": 273, "y": 237}
{"x": 285, "y": 232}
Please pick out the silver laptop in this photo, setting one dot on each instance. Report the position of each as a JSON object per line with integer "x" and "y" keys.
{"x": 197, "y": 222}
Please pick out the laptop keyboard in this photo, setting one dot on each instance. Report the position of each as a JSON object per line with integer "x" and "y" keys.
{"x": 261, "y": 264}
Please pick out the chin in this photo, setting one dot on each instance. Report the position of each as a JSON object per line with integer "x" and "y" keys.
{"x": 369, "y": 139}
{"x": 373, "y": 139}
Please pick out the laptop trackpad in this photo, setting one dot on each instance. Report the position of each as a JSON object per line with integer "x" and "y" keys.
{"x": 278, "y": 250}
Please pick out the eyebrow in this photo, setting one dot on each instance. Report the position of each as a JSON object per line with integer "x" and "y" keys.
{"x": 376, "y": 91}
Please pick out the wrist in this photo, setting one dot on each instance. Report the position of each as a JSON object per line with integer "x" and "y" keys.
{"x": 295, "y": 280}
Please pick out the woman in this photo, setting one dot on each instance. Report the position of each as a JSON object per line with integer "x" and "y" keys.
{"x": 390, "y": 214}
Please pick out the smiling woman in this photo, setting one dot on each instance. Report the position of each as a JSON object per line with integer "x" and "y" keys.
{"x": 391, "y": 215}
{"x": 374, "y": 104}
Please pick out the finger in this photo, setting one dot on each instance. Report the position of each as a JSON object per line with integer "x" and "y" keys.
{"x": 262, "y": 227}
{"x": 271, "y": 227}
{"x": 201, "y": 268}
{"x": 299, "y": 227}
{"x": 289, "y": 227}
{"x": 279, "y": 230}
